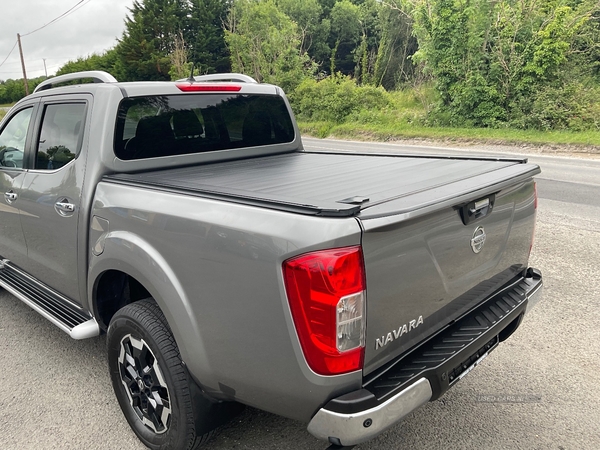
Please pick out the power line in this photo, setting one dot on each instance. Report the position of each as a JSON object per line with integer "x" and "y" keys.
{"x": 75, "y": 7}
{"x": 32, "y": 62}
{"x": 11, "y": 63}
{"x": 9, "y": 53}
{"x": 80, "y": 4}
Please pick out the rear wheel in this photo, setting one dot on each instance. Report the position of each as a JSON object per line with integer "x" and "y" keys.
{"x": 150, "y": 380}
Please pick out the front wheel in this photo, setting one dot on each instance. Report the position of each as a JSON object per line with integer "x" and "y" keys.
{"x": 150, "y": 380}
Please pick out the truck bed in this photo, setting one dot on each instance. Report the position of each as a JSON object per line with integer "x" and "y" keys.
{"x": 337, "y": 184}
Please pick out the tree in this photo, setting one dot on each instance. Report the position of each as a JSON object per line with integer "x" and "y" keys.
{"x": 314, "y": 26}
{"x": 105, "y": 61}
{"x": 490, "y": 59}
{"x": 345, "y": 32}
{"x": 396, "y": 46}
{"x": 266, "y": 44}
{"x": 149, "y": 38}
{"x": 206, "y": 37}
{"x": 12, "y": 91}
{"x": 180, "y": 67}
{"x": 365, "y": 55}
{"x": 307, "y": 15}
{"x": 161, "y": 40}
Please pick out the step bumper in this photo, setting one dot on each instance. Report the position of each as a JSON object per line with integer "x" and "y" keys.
{"x": 428, "y": 371}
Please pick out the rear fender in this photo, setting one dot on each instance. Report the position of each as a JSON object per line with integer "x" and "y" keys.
{"x": 128, "y": 253}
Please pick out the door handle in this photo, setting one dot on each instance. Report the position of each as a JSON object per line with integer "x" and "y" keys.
{"x": 65, "y": 207}
{"x": 10, "y": 196}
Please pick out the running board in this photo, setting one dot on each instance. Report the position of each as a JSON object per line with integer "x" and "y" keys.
{"x": 67, "y": 316}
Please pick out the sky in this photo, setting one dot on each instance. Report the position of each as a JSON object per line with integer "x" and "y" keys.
{"x": 92, "y": 27}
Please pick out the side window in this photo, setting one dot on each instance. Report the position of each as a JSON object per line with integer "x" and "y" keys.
{"x": 62, "y": 127}
{"x": 12, "y": 139}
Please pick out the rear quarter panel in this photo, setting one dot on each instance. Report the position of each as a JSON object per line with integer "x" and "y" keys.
{"x": 215, "y": 270}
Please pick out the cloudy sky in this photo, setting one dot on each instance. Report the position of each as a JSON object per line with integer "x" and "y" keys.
{"x": 92, "y": 27}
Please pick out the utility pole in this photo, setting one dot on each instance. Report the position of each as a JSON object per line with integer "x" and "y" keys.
{"x": 23, "y": 64}
{"x": 45, "y": 71}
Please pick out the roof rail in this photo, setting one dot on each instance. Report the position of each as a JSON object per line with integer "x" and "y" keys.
{"x": 97, "y": 75}
{"x": 236, "y": 77}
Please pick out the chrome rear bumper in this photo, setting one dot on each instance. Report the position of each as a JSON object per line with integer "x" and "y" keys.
{"x": 351, "y": 429}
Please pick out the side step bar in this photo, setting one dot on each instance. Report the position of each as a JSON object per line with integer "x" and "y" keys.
{"x": 67, "y": 316}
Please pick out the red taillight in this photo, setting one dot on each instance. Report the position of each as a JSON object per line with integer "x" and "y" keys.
{"x": 326, "y": 293}
{"x": 203, "y": 87}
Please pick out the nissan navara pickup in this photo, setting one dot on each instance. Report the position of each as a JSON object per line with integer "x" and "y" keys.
{"x": 228, "y": 266}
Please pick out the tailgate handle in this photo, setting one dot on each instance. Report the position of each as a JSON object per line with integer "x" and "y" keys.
{"x": 476, "y": 210}
{"x": 479, "y": 205}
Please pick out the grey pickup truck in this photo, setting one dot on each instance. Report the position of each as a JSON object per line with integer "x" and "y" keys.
{"x": 228, "y": 266}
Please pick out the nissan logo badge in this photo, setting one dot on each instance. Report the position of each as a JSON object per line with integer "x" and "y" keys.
{"x": 478, "y": 239}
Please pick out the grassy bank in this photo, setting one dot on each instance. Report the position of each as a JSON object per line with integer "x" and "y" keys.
{"x": 338, "y": 108}
{"x": 387, "y": 132}
{"x": 4, "y": 109}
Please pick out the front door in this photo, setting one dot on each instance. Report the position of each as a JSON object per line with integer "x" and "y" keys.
{"x": 51, "y": 195}
{"x": 12, "y": 149}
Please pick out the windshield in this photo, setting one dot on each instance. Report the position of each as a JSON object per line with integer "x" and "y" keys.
{"x": 154, "y": 126}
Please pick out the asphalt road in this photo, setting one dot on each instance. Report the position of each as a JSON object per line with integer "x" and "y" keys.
{"x": 538, "y": 390}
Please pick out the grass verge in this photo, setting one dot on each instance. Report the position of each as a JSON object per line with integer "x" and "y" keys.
{"x": 402, "y": 114}
{"x": 4, "y": 109}
{"x": 387, "y": 132}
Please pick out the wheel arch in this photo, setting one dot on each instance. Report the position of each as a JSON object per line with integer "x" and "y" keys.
{"x": 129, "y": 259}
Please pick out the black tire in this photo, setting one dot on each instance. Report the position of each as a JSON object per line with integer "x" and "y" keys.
{"x": 149, "y": 379}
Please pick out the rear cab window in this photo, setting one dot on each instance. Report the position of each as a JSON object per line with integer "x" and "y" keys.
{"x": 155, "y": 126}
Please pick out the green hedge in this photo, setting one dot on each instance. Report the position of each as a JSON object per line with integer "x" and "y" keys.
{"x": 335, "y": 99}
